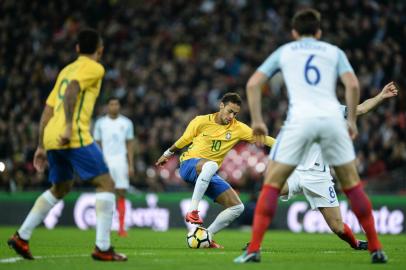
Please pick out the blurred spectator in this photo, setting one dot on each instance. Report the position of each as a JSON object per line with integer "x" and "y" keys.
{"x": 170, "y": 60}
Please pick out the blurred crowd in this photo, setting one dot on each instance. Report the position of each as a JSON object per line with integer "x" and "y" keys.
{"x": 170, "y": 60}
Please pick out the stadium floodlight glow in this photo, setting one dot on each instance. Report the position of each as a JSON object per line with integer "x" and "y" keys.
{"x": 2, "y": 166}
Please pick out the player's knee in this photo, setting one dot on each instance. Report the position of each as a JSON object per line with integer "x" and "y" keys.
{"x": 210, "y": 166}
{"x": 60, "y": 191}
{"x": 105, "y": 184}
{"x": 237, "y": 209}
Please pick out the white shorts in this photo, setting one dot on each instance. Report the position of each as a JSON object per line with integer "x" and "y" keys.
{"x": 118, "y": 168}
{"x": 317, "y": 187}
{"x": 297, "y": 136}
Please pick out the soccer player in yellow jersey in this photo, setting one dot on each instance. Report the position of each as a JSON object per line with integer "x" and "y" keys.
{"x": 65, "y": 140}
{"x": 210, "y": 137}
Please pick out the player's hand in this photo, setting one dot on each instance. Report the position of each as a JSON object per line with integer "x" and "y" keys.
{"x": 352, "y": 129}
{"x": 390, "y": 90}
{"x": 64, "y": 139}
{"x": 161, "y": 161}
{"x": 40, "y": 159}
{"x": 259, "y": 131}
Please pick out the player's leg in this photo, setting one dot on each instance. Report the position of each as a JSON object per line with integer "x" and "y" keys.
{"x": 120, "y": 193}
{"x": 222, "y": 193}
{"x": 294, "y": 140}
{"x": 333, "y": 218}
{"x": 275, "y": 177}
{"x": 205, "y": 170}
{"x": 361, "y": 206}
{"x": 88, "y": 162}
{"x": 119, "y": 172}
{"x": 285, "y": 189}
{"x": 105, "y": 204}
{"x": 59, "y": 171}
{"x": 44, "y": 203}
{"x": 338, "y": 150}
{"x": 318, "y": 188}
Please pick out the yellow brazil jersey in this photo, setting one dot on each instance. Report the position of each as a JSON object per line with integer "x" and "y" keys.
{"x": 213, "y": 141}
{"x": 89, "y": 74}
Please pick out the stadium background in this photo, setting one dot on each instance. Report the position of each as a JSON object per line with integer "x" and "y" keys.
{"x": 170, "y": 60}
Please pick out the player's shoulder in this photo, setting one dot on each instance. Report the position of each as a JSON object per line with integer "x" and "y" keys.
{"x": 204, "y": 118}
{"x": 95, "y": 66}
{"x": 100, "y": 119}
{"x": 310, "y": 43}
{"x": 240, "y": 125}
{"x": 125, "y": 119}
{"x": 89, "y": 65}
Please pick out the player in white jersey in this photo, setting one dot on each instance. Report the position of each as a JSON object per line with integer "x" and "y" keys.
{"x": 313, "y": 179}
{"x": 115, "y": 134}
{"x": 310, "y": 69}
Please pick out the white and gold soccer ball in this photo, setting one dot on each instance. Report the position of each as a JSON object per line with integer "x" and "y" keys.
{"x": 198, "y": 237}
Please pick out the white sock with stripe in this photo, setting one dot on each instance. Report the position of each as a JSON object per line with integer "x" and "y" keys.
{"x": 105, "y": 205}
{"x": 203, "y": 180}
{"x": 38, "y": 213}
{"x": 225, "y": 218}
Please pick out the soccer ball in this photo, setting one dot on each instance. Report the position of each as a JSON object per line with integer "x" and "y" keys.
{"x": 198, "y": 237}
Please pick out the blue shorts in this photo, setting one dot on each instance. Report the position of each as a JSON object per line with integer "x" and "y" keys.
{"x": 86, "y": 161}
{"x": 189, "y": 174}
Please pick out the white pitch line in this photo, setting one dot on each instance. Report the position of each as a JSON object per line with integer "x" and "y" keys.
{"x": 11, "y": 260}
{"x": 16, "y": 259}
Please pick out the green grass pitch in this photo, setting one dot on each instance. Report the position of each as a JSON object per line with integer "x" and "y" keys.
{"x": 70, "y": 248}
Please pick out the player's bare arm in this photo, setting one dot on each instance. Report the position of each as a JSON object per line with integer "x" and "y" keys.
{"x": 130, "y": 157}
{"x": 69, "y": 101}
{"x": 166, "y": 155}
{"x": 40, "y": 153}
{"x": 352, "y": 90}
{"x": 253, "y": 90}
{"x": 390, "y": 90}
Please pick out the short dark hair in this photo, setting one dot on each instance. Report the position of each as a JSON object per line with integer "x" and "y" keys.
{"x": 231, "y": 97}
{"x": 88, "y": 40}
{"x": 306, "y": 21}
{"x": 112, "y": 98}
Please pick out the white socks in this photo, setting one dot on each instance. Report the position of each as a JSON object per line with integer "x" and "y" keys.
{"x": 208, "y": 170}
{"x": 38, "y": 213}
{"x": 225, "y": 218}
{"x": 105, "y": 205}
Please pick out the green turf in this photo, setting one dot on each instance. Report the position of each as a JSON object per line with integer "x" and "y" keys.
{"x": 69, "y": 248}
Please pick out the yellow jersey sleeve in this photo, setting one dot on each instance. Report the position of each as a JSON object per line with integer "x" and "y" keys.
{"x": 247, "y": 135}
{"x": 51, "y": 100}
{"x": 269, "y": 141}
{"x": 191, "y": 131}
{"x": 88, "y": 75}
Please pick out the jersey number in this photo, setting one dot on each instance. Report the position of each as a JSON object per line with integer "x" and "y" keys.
{"x": 61, "y": 92}
{"x": 311, "y": 69}
{"x": 332, "y": 192}
{"x": 216, "y": 145}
